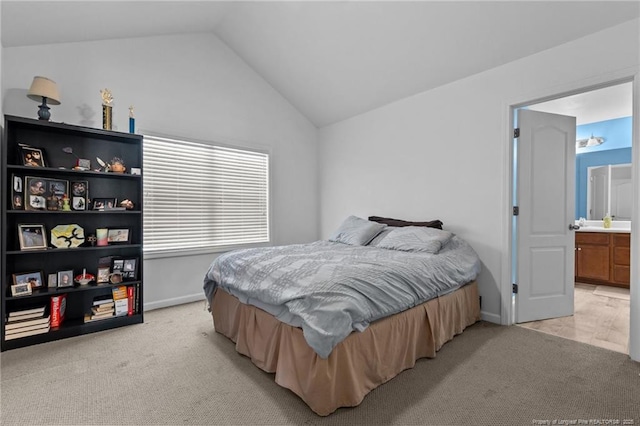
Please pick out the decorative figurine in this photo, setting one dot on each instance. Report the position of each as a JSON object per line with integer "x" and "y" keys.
{"x": 127, "y": 204}
{"x": 107, "y": 99}
{"x": 105, "y": 166}
{"x": 132, "y": 120}
{"x": 65, "y": 203}
{"x": 117, "y": 165}
{"x": 52, "y": 202}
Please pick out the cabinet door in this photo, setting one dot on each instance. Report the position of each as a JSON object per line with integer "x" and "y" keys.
{"x": 593, "y": 262}
{"x": 621, "y": 259}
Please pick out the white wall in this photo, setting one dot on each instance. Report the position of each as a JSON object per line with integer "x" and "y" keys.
{"x": 192, "y": 86}
{"x": 442, "y": 154}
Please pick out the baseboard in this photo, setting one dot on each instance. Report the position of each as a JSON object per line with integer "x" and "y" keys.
{"x": 173, "y": 301}
{"x": 490, "y": 317}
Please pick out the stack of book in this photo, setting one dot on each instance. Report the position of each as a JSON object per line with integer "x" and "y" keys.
{"x": 27, "y": 322}
{"x": 120, "y": 300}
{"x": 102, "y": 309}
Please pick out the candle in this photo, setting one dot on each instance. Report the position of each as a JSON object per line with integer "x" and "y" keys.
{"x": 84, "y": 273}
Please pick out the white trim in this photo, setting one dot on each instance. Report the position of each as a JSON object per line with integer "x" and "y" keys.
{"x": 173, "y": 301}
{"x": 595, "y": 82}
{"x": 634, "y": 315}
{"x": 490, "y": 317}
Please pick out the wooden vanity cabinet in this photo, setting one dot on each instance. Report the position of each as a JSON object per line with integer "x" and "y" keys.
{"x": 602, "y": 258}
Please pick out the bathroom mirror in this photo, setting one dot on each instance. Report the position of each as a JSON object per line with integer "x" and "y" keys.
{"x": 609, "y": 191}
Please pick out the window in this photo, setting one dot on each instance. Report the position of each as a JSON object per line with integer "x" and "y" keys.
{"x": 199, "y": 196}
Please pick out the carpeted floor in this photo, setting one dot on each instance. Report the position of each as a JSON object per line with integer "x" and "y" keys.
{"x": 174, "y": 369}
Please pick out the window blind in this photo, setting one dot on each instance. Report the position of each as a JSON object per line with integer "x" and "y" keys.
{"x": 199, "y": 195}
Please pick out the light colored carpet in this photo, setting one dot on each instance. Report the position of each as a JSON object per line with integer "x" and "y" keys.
{"x": 615, "y": 292}
{"x": 174, "y": 369}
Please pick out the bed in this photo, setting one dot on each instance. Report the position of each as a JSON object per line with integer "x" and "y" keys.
{"x": 336, "y": 318}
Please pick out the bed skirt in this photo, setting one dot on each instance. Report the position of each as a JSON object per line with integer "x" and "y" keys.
{"x": 358, "y": 364}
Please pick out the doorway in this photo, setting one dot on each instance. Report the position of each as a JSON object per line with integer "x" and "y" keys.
{"x": 604, "y": 134}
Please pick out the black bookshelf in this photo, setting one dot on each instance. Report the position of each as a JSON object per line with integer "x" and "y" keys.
{"x": 54, "y": 141}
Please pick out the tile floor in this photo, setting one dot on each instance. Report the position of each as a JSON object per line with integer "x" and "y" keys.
{"x": 601, "y": 318}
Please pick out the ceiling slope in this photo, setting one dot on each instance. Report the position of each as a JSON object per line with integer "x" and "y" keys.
{"x": 333, "y": 60}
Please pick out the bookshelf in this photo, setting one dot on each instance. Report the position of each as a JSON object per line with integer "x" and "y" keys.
{"x": 39, "y": 161}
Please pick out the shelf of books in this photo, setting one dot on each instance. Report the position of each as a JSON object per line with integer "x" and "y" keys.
{"x": 43, "y": 322}
{"x": 71, "y": 236}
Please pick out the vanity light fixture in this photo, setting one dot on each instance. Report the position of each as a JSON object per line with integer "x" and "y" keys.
{"x": 592, "y": 141}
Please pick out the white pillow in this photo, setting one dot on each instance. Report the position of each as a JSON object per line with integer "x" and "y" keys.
{"x": 356, "y": 231}
{"x": 415, "y": 238}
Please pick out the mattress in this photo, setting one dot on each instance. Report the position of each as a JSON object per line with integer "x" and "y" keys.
{"x": 330, "y": 289}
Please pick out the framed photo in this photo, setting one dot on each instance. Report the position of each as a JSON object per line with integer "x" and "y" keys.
{"x": 17, "y": 202}
{"x": 34, "y": 279}
{"x": 79, "y": 192}
{"x": 130, "y": 269}
{"x": 20, "y": 290}
{"x": 36, "y": 193}
{"x": 52, "y": 281}
{"x": 17, "y": 184}
{"x": 117, "y": 265}
{"x": 44, "y": 194}
{"x": 56, "y": 192}
{"x": 32, "y": 156}
{"x": 65, "y": 278}
{"x": 103, "y": 274}
{"x": 17, "y": 194}
{"x": 103, "y": 203}
{"x": 32, "y": 237}
{"x": 118, "y": 236}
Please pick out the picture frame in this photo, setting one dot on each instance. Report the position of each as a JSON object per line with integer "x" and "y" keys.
{"x": 103, "y": 203}
{"x": 103, "y": 274}
{"x": 79, "y": 190}
{"x": 36, "y": 192}
{"x": 20, "y": 290}
{"x": 52, "y": 281}
{"x": 65, "y": 278}
{"x": 117, "y": 264}
{"x": 44, "y": 194}
{"x": 130, "y": 269}
{"x": 17, "y": 195}
{"x": 118, "y": 236}
{"x": 57, "y": 189}
{"x": 34, "y": 279}
{"x": 32, "y": 156}
{"x": 17, "y": 202}
{"x": 32, "y": 237}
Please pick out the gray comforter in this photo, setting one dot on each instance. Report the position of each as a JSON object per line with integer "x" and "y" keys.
{"x": 330, "y": 289}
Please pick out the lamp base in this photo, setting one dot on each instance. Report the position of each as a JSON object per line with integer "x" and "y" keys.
{"x": 43, "y": 112}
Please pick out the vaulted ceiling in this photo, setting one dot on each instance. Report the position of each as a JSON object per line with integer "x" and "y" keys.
{"x": 333, "y": 60}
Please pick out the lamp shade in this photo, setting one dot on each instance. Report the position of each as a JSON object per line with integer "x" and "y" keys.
{"x": 42, "y": 87}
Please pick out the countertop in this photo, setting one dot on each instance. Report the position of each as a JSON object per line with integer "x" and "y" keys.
{"x": 617, "y": 226}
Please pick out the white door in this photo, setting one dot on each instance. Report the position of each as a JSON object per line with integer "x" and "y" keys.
{"x": 546, "y": 199}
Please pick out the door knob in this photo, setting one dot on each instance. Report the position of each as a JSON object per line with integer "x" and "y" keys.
{"x": 573, "y": 227}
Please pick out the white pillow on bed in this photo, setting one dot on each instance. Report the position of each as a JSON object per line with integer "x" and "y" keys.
{"x": 356, "y": 231}
{"x": 415, "y": 238}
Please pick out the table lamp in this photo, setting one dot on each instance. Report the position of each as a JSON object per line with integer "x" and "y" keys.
{"x": 45, "y": 89}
